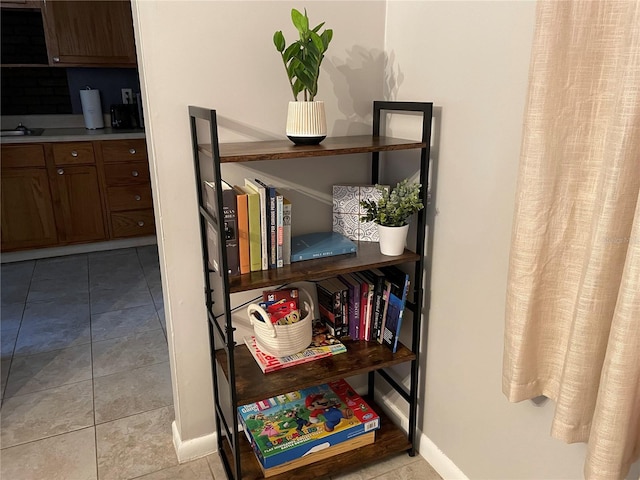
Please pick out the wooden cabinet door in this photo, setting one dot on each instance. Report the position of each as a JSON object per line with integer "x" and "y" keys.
{"x": 27, "y": 213}
{"x": 78, "y": 204}
{"x": 98, "y": 33}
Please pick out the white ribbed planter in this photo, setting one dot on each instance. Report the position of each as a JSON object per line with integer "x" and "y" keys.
{"x": 392, "y": 239}
{"x": 306, "y": 122}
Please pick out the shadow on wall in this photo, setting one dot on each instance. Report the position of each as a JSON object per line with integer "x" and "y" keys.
{"x": 354, "y": 89}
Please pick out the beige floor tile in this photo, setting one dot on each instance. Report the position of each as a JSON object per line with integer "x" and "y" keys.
{"x": 195, "y": 470}
{"x": 419, "y": 470}
{"x": 123, "y": 323}
{"x": 71, "y": 456}
{"x": 107, "y": 299}
{"x": 38, "y": 415}
{"x": 215, "y": 464}
{"x": 389, "y": 464}
{"x": 132, "y": 391}
{"x": 126, "y": 353}
{"x": 33, "y": 373}
{"x": 134, "y": 446}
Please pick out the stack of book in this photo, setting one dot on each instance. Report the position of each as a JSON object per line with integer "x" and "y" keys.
{"x": 257, "y": 229}
{"x": 304, "y": 426}
{"x": 366, "y": 305}
{"x": 323, "y": 345}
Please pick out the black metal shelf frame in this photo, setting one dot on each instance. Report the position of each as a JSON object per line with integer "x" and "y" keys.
{"x": 217, "y": 296}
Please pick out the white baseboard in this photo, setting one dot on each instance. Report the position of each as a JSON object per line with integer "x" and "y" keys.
{"x": 438, "y": 460}
{"x": 426, "y": 448}
{"x": 194, "y": 448}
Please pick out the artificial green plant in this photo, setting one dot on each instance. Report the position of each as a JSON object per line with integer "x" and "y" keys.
{"x": 302, "y": 59}
{"x": 395, "y": 207}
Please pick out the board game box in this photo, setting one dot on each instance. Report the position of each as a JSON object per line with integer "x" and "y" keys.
{"x": 284, "y": 428}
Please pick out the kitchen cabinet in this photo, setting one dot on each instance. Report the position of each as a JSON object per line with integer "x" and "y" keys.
{"x": 89, "y": 33}
{"x": 76, "y": 193}
{"x": 128, "y": 188}
{"x": 237, "y": 379}
{"x": 28, "y": 219}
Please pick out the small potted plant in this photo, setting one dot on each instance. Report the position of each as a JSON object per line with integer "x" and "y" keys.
{"x": 306, "y": 120}
{"x": 391, "y": 213}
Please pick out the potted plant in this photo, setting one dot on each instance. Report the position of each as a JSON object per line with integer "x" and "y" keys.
{"x": 391, "y": 213}
{"x": 306, "y": 120}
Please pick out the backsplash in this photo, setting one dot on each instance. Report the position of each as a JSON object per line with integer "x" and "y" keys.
{"x": 53, "y": 90}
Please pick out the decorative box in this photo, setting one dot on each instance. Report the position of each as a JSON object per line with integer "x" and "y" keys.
{"x": 347, "y": 211}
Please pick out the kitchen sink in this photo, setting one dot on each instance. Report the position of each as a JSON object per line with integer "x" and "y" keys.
{"x": 21, "y": 131}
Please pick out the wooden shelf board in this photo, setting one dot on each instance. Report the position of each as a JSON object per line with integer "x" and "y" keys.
{"x": 368, "y": 256}
{"x": 285, "y": 149}
{"x": 361, "y": 357}
{"x": 389, "y": 440}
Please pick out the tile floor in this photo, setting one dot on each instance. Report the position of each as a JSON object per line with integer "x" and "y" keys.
{"x": 85, "y": 383}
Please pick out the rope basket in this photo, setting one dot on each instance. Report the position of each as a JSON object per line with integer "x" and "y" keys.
{"x": 282, "y": 340}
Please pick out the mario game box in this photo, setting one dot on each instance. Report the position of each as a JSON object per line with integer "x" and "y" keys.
{"x": 287, "y": 427}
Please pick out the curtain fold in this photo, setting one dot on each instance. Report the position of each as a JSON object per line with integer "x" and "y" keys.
{"x": 572, "y": 329}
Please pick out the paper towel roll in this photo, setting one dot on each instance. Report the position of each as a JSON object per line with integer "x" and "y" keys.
{"x": 91, "y": 109}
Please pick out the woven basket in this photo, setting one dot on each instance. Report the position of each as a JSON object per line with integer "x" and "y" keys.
{"x": 282, "y": 340}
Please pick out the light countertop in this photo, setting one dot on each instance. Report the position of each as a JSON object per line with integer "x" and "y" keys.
{"x": 75, "y": 134}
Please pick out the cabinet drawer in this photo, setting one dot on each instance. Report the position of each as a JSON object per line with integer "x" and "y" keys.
{"x": 129, "y": 197}
{"x": 126, "y": 173}
{"x": 22, "y": 156}
{"x": 124, "y": 150}
{"x": 133, "y": 223}
{"x": 73, "y": 153}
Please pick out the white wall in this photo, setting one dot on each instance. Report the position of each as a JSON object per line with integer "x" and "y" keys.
{"x": 471, "y": 59}
{"x": 220, "y": 55}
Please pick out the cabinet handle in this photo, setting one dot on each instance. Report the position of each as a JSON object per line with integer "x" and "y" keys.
{"x": 60, "y": 171}
{"x": 56, "y": 59}
{"x": 134, "y": 173}
{"x": 74, "y": 153}
{"x": 140, "y": 223}
{"x": 138, "y": 198}
{"x": 132, "y": 151}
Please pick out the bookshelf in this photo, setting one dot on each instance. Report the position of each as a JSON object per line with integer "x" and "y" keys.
{"x": 237, "y": 379}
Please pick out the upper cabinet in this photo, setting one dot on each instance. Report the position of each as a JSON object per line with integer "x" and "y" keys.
{"x": 77, "y": 33}
{"x": 96, "y": 33}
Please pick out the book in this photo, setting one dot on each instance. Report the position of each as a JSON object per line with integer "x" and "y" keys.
{"x": 399, "y": 281}
{"x": 243, "y": 229}
{"x": 354, "y": 304}
{"x": 376, "y": 277}
{"x": 319, "y": 245}
{"x": 323, "y": 345}
{"x": 229, "y": 223}
{"x": 279, "y": 229}
{"x": 253, "y": 212}
{"x": 272, "y": 223}
{"x": 344, "y": 304}
{"x": 330, "y": 306}
{"x": 262, "y": 194}
{"x": 366, "y": 303}
{"x": 286, "y": 230}
{"x": 385, "y": 301}
{"x": 296, "y": 424}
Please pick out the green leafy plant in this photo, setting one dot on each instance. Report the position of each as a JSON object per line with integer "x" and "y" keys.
{"x": 395, "y": 206}
{"x": 302, "y": 59}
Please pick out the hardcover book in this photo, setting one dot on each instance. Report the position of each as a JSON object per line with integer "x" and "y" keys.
{"x": 330, "y": 307}
{"x": 272, "y": 223}
{"x": 262, "y": 195}
{"x": 399, "y": 281}
{"x": 323, "y": 345}
{"x": 319, "y": 245}
{"x": 230, "y": 220}
{"x": 354, "y": 304}
{"x": 296, "y": 424}
{"x": 243, "y": 229}
{"x": 286, "y": 228}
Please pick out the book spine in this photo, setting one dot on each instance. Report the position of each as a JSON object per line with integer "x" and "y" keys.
{"x": 286, "y": 224}
{"x": 330, "y": 308}
{"x": 327, "y": 253}
{"x": 255, "y": 249}
{"x": 243, "y": 231}
{"x": 263, "y": 222}
{"x": 380, "y": 330}
{"x": 231, "y": 231}
{"x": 279, "y": 230}
{"x": 272, "y": 223}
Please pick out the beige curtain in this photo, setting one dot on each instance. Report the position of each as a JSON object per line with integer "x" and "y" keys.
{"x": 573, "y": 303}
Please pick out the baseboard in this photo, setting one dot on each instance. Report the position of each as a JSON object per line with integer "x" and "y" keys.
{"x": 195, "y": 448}
{"x": 426, "y": 448}
{"x": 438, "y": 460}
{"x": 37, "y": 253}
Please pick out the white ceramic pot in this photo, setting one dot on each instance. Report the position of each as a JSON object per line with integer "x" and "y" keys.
{"x": 306, "y": 122}
{"x": 392, "y": 239}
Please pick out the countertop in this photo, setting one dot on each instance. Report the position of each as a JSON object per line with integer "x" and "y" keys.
{"x": 75, "y": 134}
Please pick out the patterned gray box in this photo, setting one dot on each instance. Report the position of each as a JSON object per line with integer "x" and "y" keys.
{"x": 347, "y": 211}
